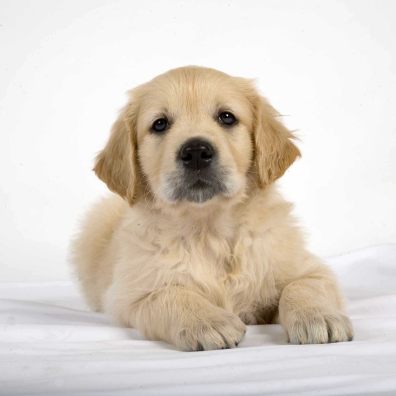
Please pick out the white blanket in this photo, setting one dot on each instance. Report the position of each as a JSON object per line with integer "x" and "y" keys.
{"x": 51, "y": 344}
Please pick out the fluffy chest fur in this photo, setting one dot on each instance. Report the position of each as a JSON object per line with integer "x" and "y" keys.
{"x": 224, "y": 256}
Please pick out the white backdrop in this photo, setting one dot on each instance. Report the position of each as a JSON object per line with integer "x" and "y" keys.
{"x": 65, "y": 66}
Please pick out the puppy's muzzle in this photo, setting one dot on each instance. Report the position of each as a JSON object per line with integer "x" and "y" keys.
{"x": 196, "y": 154}
{"x": 198, "y": 176}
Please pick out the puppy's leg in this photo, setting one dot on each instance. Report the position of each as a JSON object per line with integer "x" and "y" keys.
{"x": 181, "y": 317}
{"x": 310, "y": 310}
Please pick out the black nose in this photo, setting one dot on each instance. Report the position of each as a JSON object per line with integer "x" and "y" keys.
{"x": 196, "y": 154}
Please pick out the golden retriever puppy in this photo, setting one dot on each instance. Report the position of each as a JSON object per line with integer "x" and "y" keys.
{"x": 198, "y": 243}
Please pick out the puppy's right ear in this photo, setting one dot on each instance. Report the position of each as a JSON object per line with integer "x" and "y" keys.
{"x": 116, "y": 164}
{"x": 274, "y": 147}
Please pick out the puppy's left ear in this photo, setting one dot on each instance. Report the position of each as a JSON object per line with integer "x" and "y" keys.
{"x": 274, "y": 150}
{"x": 117, "y": 163}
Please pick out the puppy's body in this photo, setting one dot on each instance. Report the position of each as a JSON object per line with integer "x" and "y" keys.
{"x": 193, "y": 270}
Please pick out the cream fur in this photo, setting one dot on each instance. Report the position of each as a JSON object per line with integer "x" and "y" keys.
{"x": 194, "y": 274}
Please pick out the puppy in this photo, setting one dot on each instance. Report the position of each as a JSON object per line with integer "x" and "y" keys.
{"x": 197, "y": 243}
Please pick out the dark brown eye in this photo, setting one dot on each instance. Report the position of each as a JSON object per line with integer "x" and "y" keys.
{"x": 160, "y": 125}
{"x": 227, "y": 119}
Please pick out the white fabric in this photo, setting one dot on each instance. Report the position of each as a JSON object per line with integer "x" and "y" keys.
{"x": 51, "y": 344}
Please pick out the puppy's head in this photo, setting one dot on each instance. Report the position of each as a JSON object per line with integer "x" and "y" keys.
{"x": 195, "y": 135}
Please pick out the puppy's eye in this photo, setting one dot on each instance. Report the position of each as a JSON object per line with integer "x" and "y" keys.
{"x": 160, "y": 125}
{"x": 226, "y": 118}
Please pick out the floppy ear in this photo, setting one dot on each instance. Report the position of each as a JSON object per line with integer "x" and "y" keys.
{"x": 273, "y": 144}
{"x": 116, "y": 164}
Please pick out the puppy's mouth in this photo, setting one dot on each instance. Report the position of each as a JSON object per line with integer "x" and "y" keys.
{"x": 195, "y": 186}
{"x": 200, "y": 184}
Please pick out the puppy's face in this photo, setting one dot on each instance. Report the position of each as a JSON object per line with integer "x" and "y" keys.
{"x": 193, "y": 135}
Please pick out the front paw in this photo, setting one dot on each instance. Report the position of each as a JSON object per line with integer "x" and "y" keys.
{"x": 317, "y": 327}
{"x": 221, "y": 330}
